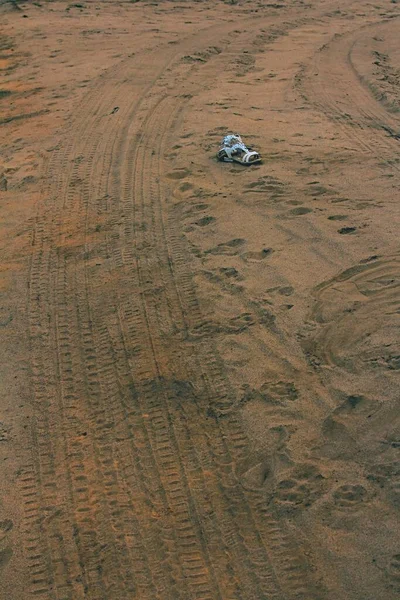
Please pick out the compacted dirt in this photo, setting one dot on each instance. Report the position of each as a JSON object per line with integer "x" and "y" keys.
{"x": 199, "y": 374}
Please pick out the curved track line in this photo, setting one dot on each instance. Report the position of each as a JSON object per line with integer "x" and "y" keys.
{"x": 158, "y": 510}
{"x": 333, "y": 85}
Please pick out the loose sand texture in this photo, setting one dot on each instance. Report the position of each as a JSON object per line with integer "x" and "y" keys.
{"x": 199, "y": 375}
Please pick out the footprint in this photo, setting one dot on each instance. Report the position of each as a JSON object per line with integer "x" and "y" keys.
{"x": 6, "y": 551}
{"x": 4, "y": 432}
{"x": 393, "y": 569}
{"x": 386, "y": 476}
{"x": 282, "y": 390}
{"x": 349, "y": 496}
{"x": 301, "y": 489}
{"x": 347, "y": 230}
{"x": 357, "y": 406}
{"x": 5, "y": 527}
{"x": 338, "y": 441}
{"x": 394, "y": 491}
{"x": 185, "y": 186}
{"x": 317, "y": 190}
{"x": 234, "y": 325}
{"x": 301, "y": 210}
{"x": 286, "y": 291}
{"x": 266, "y": 184}
{"x": 193, "y": 210}
{"x": 287, "y": 306}
{"x": 178, "y": 173}
{"x": 277, "y": 394}
{"x": 338, "y": 217}
{"x": 5, "y": 556}
{"x": 257, "y": 256}
{"x": 256, "y": 477}
{"x": 239, "y": 323}
{"x": 205, "y": 221}
{"x": 229, "y": 248}
{"x": 392, "y": 440}
{"x": 230, "y": 272}
{"x": 203, "y": 56}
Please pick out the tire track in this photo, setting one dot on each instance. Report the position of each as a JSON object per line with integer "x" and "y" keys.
{"x": 141, "y": 513}
{"x": 42, "y": 281}
{"x": 164, "y": 374}
{"x": 268, "y": 543}
{"x": 344, "y": 336}
{"x": 234, "y": 431}
{"x": 332, "y": 84}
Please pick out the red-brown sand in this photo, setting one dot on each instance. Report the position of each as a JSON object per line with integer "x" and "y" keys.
{"x": 199, "y": 375}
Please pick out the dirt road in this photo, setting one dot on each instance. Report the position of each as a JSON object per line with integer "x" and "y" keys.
{"x": 200, "y": 361}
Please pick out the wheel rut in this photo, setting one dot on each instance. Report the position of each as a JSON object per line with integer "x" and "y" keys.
{"x": 333, "y": 84}
{"x": 141, "y": 414}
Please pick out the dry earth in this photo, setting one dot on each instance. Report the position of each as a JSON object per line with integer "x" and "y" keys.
{"x": 200, "y": 362}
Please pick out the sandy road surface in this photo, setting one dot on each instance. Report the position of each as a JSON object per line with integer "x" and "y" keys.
{"x": 199, "y": 374}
